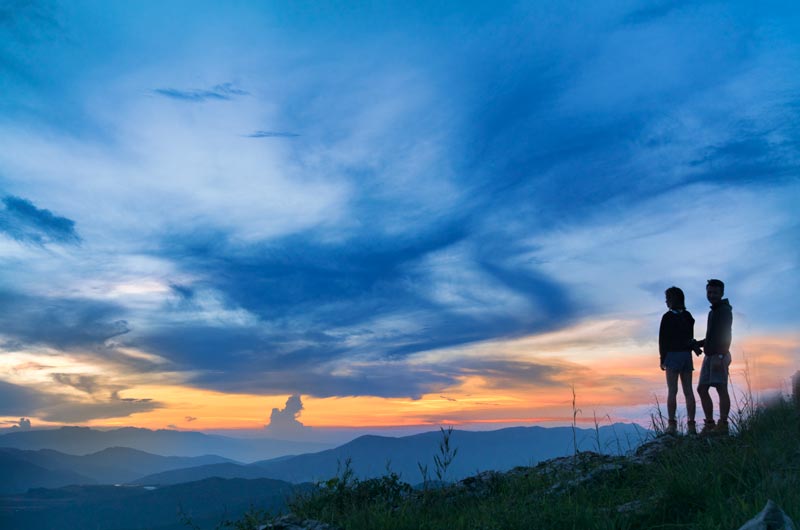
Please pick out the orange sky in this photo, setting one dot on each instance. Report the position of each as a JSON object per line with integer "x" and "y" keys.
{"x": 614, "y": 377}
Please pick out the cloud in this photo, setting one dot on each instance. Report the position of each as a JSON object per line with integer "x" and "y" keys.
{"x": 445, "y": 202}
{"x": 190, "y": 419}
{"x": 224, "y": 92}
{"x": 89, "y": 384}
{"x": 16, "y": 400}
{"x": 22, "y": 220}
{"x": 100, "y": 399}
{"x": 284, "y": 422}
{"x": 60, "y": 322}
{"x": 24, "y": 424}
{"x": 312, "y": 307}
{"x": 513, "y": 374}
{"x": 77, "y": 411}
{"x": 272, "y": 134}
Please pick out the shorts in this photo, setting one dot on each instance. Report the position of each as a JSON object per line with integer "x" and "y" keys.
{"x": 715, "y": 370}
{"x": 679, "y": 361}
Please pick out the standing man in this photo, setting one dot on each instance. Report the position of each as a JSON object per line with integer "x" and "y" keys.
{"x": 714, "y": 372}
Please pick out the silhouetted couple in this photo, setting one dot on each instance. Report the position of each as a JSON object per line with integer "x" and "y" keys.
{"x": 676, "y": 342}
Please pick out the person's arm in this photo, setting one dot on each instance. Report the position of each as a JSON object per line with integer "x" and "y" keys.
{"x": 694, "y": 345}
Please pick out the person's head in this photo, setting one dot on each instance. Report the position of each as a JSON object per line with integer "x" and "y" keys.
{"x": 675, "y": 299}
{"x": 714, "y": 290}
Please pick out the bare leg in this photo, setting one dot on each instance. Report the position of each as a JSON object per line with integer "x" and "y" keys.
{"x": 724, "y": 402}
{"x": 688, "y": 394}
{"x": 672, "y": 394}
{"x": 705, "y": 400}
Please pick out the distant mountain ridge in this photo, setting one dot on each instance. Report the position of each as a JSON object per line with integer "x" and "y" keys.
{"x": 18, "y": 475}
{"x": 371, "y": 455}
{"x": 477, "y": 451}
{"x": 191, "y": 474}
{"x": 109, "y": 466}
{"x": 85, "y": 440}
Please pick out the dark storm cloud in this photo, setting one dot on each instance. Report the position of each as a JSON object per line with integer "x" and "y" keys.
{"x": 224, "y": 92}
{"x": 61, "y": 323}
{"x": 23, "y": 221}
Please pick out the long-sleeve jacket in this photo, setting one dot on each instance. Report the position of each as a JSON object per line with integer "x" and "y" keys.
{"x": 718, "y": 330}
{"x": 676, "y": 332}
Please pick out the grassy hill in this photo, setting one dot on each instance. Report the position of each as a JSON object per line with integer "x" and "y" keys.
{"x": 683, "y": 482}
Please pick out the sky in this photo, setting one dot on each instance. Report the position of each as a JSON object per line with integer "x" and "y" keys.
{"x": 292, "y": 217}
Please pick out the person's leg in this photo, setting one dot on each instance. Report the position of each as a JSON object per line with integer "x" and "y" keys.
{"x": 705, "y": 401}
{"x": 672, "y": 394}
{"x": 724, "y": 402}
{"x": 688, "y": 394}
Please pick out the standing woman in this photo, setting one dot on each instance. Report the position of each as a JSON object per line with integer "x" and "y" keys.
{"x": 675, "y": 344}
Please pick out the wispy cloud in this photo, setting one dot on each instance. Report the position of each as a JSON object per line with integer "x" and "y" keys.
{"x": 224, "y": 92}
{"x": 23, "y": 221}
{"x": 573, "y": 167}
{"x": 65, "y": 323}
{"x": 272, "y": 134}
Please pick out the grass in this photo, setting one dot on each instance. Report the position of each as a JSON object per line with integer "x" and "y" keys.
{"x": 697, "y": 483}
{"x": 693, "y": 483}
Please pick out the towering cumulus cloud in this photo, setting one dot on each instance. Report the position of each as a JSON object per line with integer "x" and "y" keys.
{"x": 284, "y": 422}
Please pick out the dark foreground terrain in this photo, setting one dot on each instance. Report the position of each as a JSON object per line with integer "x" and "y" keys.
{"x": 206, "y": 502}
{"x": 672, "y": 482}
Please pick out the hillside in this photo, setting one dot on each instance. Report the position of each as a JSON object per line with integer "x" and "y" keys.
{"x": 496, "y": 450}
{"x": 18, "y": 475}
{"x": 671, "y": 482}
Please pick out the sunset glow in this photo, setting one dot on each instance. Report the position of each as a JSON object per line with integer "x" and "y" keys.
{"x": 284, "y": 219}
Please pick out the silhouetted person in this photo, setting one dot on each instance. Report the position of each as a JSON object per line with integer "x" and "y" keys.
{"x": 716, "y": 346}
{"x": 675, "y": 342}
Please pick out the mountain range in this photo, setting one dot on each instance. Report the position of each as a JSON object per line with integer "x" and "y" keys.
{"x": 85, "y": 440}
{"x": 47, "y": 488}
{"x": 372, "y": 456}
{"x": 23, "y": 469}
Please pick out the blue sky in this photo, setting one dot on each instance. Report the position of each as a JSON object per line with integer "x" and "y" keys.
{"x": 309, "y": 198}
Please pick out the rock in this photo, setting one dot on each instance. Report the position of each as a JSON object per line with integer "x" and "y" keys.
{"x": 292, "y": 522}
{"x": 650, "y": 451}
{"x": 770, "y": 518}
